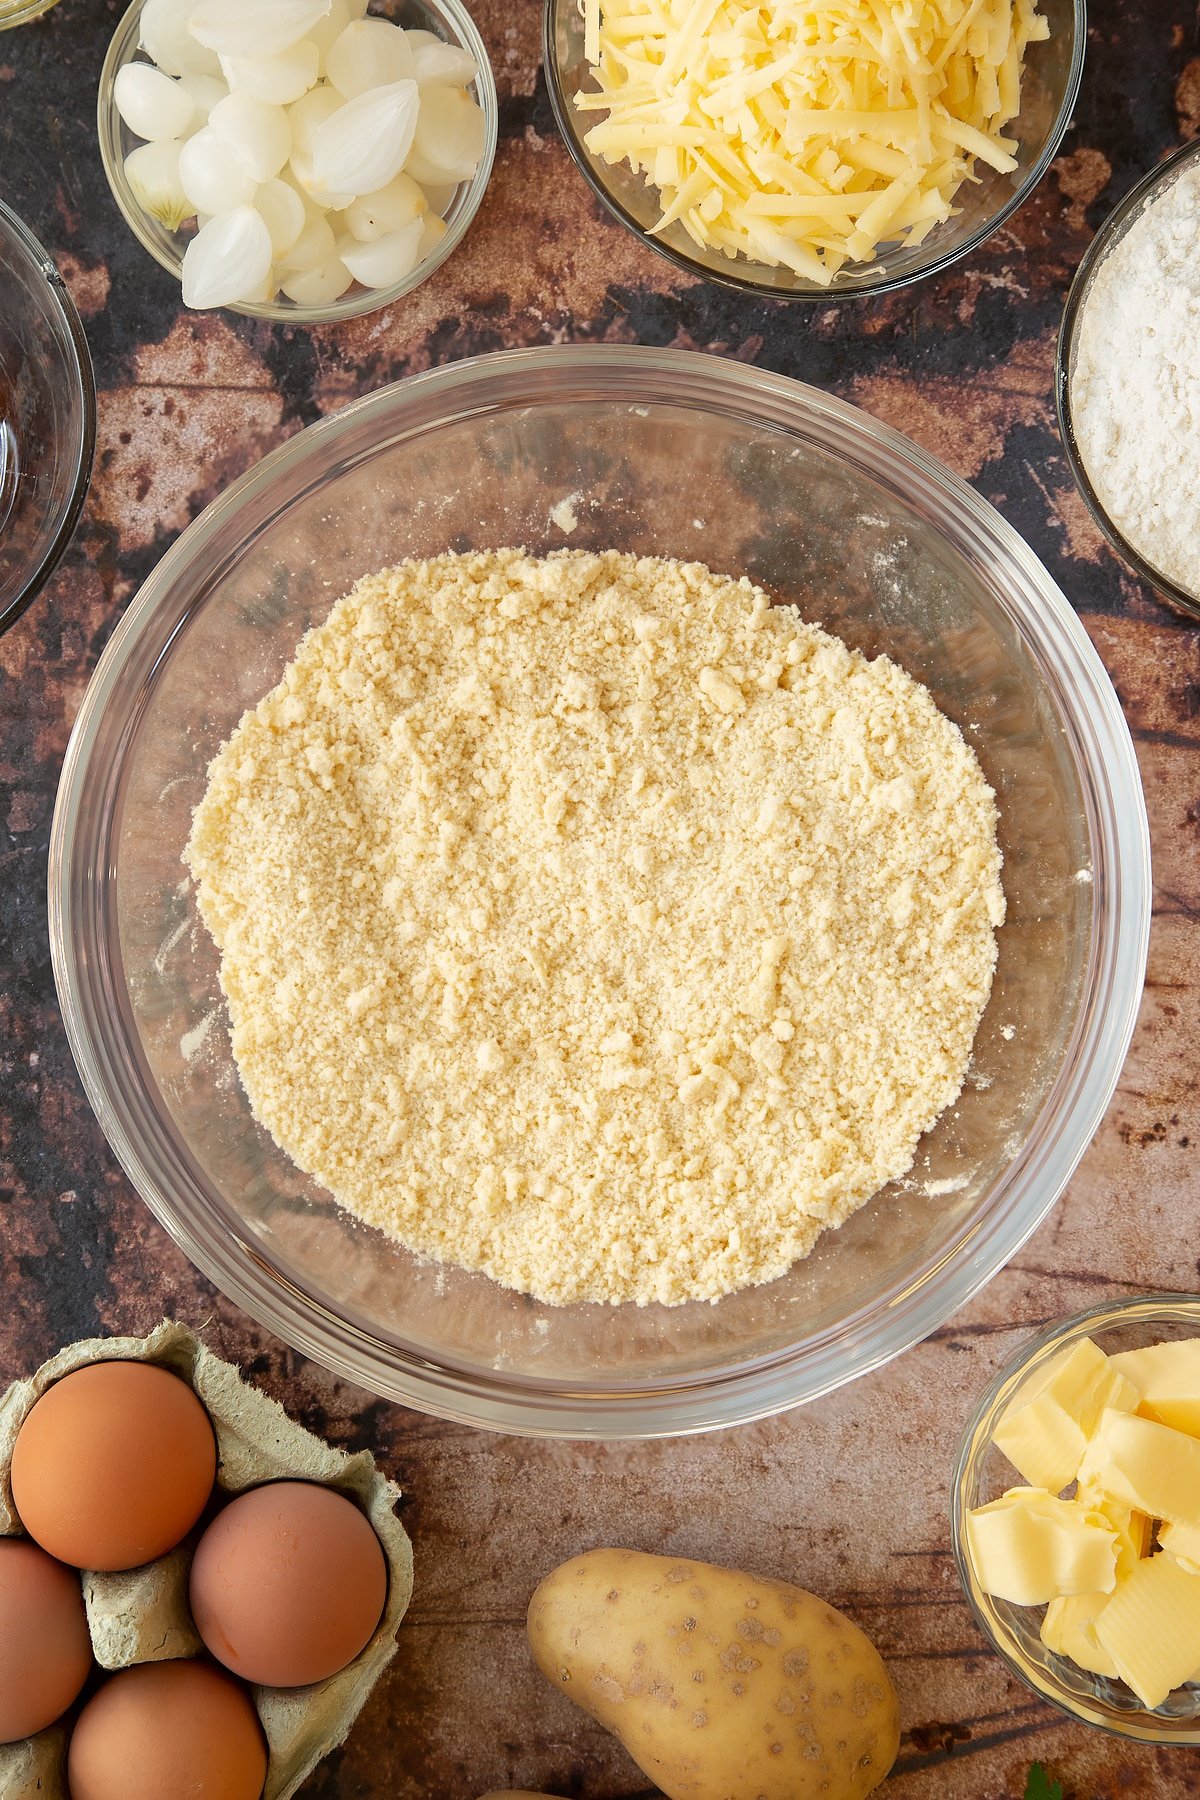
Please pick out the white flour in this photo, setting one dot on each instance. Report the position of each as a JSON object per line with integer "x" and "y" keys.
{"x": 1135, "y": 388}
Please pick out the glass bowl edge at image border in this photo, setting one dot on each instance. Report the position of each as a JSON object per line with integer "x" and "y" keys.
{"x": 812, "y": 293}
{"x": 1118, "y": 221}
{"x": 40, "y": 261}
{"x": 977, "y": 1440}
{"x": 81, "y": 860}
{"x": 123, "y": 48}
{"x": 24, "y": 14}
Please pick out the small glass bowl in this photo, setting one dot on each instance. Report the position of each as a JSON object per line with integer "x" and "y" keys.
{"x": 47, "y": 417}
{"x": 20, "y": 12}
{"x": 1123, "y": 216}
{"x": 984, "y": 1473}
{"x": 1051, "y": 83}
{"x": 447, "y": 19}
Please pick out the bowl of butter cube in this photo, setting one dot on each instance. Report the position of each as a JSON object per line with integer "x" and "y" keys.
{"x": 297, "y": 160}
{"x": 1076, "y": 1516}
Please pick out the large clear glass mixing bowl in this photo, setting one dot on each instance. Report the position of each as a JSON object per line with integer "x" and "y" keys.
{"x": 657, "y": 452}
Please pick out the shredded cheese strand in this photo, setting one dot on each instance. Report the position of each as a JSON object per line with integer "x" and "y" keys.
{"x": 806, "y": 133}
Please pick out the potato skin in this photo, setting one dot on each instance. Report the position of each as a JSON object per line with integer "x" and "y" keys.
{"x": 516, "y": 1794}
{"x": 721, "y": 1685}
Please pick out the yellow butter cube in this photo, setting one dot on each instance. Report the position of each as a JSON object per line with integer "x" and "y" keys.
{"x": 1133, "y": 1530}
{"x": 1029, "y": 1547}
{"x": 1183, "y": 1543}
{"x": 1147, "y": 1466}
{"x": 1045, "y": 1430}
{"x": 1167, "y": 1376}
{"x": 1069, "y": 1630}
{"x": 1151, "y": 1628}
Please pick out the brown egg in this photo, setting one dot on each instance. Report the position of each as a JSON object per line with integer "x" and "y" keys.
{"x": 288, "y": 1584}
{"x": 114, "y": 1465}
{"x": 45, "y": 1651}
{"x": 162, "y": 1730}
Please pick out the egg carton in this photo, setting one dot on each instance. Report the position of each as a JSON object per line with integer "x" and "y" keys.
{"x": 143, "y": 1615}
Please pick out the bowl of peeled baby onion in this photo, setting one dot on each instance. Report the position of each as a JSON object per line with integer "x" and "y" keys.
{"x": 297, "y": 160}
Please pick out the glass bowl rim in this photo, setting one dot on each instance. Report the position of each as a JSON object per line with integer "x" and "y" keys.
{"x": 40, "y": 262}
{"x": 1018, "y": 1200}
{"x": 24, "y": 12}
{"x": 812, "y": 294}
{"x": 1107, "y": 1314}
{"x": 1109, "y": 234}
{"x": 123, "y": 47}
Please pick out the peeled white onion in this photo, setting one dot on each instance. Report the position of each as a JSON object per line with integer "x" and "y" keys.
{"x": 211, "y": 176}
{"x": 364, "y": 144}
{"x": 320, "y": 286}
{"x": 284, "y": 211}
{"x": 370, "y": 53}
{"x": 152, "y": 171}
{"x": 276, "y": 80}
{"x": 257, "y": 134}
{"x": 433, "y": 230}
{"x": 314, "y": 247}
{"x": 372, "y": 216}
{"x": 152, "y": 105}
{"x": 304, "y": 117}
{"x": 386, "y": 260}
{"x": 301, "y": 171}
{"x": 326, "y": 32}
{"x": 439, "y": 195}
{"x": 254, "y": 27}
{"x": 449, "y": 138}
{"x": 447, "y": 64}
{"x": 228, "y": 260}
{"x": 203, "y": 91}
{"x": 266, "y": 291}
{"x": 163, "y": 34}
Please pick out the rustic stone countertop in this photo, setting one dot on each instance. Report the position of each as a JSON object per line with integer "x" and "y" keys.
{"x": 848, "y": 1496}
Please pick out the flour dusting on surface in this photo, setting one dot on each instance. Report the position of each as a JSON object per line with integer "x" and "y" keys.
{"x": 564, "y": 514}
{"x": 192, "y": 1042}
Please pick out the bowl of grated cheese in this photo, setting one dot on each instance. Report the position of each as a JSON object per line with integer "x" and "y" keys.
{"x": 808, "y": 153}
{"x": 577, "y": 449}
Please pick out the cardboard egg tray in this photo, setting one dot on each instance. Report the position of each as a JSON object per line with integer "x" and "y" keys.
{"x": 142, "y": 1616}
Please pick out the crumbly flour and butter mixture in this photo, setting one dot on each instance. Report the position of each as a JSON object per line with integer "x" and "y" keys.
{"x": 593, "y": 923}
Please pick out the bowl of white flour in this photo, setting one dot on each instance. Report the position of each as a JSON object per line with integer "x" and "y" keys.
{"x": 1128, "y": 381}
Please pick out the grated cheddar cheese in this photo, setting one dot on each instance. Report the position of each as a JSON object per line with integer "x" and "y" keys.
{"x": 806, "y": 133}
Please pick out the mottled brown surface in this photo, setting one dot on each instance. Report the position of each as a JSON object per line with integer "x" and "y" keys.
{"x": 849, "y": 1496}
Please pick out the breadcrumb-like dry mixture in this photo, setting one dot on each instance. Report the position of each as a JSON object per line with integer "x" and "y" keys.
{"x": 588, "y": 921}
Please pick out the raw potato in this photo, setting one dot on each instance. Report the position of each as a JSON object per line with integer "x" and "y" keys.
{"x": 721, "y": 1685}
